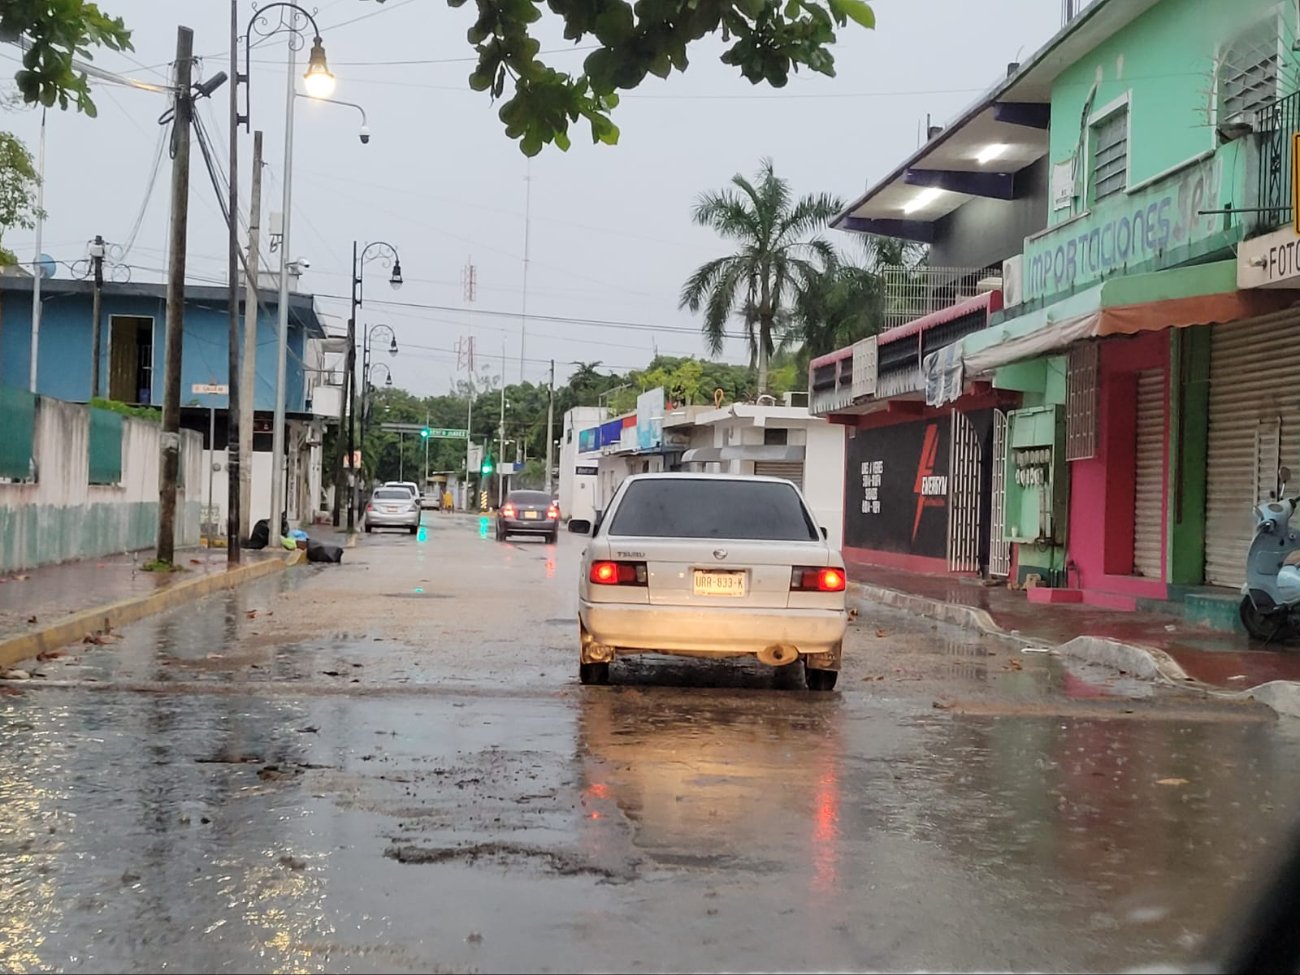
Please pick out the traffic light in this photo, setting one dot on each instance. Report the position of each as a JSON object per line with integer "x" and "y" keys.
{"x": 486, "y": 469}
{"x": 424, "y": 434}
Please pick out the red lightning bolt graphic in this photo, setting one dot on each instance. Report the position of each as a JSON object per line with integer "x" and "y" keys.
{"x": 929, "y": 450}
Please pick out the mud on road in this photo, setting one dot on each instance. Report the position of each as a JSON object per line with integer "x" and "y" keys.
{"x": 389, "y": 765}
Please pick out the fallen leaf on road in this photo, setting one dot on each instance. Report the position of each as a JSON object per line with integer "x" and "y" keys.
{"x": 331, "y": 673}
{"x": 942, "y": 705}
{"x": 195, "y": 562}
{"x": 293, "y": 863}
{"x": 1171, "y": 781}
{"x": 881, "y": 634}
{"x": 51, "y": 654}
{"x": 251, "y": 614}
{"x": 14, "y": 675}
{"x": 474, "y": 938}
{"x": 1015, "y": 664}
{"x": 31, "y": 619}
{"x": 311, "y": 729}
{"x": 10, "y": 692}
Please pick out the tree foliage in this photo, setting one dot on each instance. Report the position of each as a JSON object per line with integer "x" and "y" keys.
{"x": 767, "y": 39}
{"x": 56, "y": 31}
{"x": 18, "y": 185}
{"x": 777, "y": 259}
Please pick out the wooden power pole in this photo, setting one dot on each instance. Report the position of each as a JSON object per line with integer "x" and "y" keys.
{"x": 169, "y": 467}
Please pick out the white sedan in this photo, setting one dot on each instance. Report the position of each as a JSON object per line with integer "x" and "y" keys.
{"x": 710, "y": 565}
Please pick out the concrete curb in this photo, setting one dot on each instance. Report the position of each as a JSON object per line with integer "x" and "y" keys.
{"x": 1147, "y": 663}
{"x": 73, "y": 628}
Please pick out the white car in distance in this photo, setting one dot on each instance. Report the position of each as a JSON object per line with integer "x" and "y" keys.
{"x": 710, "y": 565}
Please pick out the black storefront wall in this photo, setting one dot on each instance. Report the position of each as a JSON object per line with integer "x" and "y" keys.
{"x": 896, "y": 488}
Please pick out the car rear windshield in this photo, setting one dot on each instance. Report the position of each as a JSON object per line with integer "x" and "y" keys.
{"x": 530, "y": 497}
{"x": 393, "y": 494}
{"x": 695, "y": 507}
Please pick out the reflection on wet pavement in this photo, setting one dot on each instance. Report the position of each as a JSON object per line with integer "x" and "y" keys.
{"x": 196, "y": 797}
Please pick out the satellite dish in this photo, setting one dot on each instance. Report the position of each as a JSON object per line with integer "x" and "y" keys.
{"x": 46, "y": 266}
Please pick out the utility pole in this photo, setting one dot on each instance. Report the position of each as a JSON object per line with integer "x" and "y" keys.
{"x": 233, "y": 467}
{"x": 169, "y": 466}
{"x": 523, "y": 316}
{"x": 550, "y": 427}
{"x": 501, "y": 432}
{"x": 96, "y": 313}
{"x": 37, "y": 266}
{"x": 248, "y": 374}
{"x": 350, "y": 401}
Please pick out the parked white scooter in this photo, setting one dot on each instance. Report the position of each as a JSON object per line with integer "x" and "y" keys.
{"x": 1270, "y": 601}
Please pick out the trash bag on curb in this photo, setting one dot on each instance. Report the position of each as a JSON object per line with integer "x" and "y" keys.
{"x": 320, "y": 552}
{"x": 260, "y": 536}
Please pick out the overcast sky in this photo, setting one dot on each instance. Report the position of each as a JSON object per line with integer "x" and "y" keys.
{"x": 611, "y": 239}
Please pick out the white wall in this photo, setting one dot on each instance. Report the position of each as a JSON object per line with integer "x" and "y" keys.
{"x": 578, "y": 492}
{"x": 823, "y": 477}
{"x": 61, "y": 516}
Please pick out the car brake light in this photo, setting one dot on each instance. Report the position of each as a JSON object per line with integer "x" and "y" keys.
{"x": 552, "y": 512}
{"x": 618, "y": 573}
{"x": 508, "y": 510}
{"x": 369, "y": 506}
{"x": 817, "y": 579}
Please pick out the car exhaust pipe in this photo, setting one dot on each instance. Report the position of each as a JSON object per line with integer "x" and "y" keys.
{"x": 778, "y": 655}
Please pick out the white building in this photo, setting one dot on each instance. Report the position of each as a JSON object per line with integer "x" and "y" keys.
{"x": 578, "y": 466}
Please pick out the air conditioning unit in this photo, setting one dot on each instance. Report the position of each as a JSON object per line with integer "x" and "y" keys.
{"x": 1238, "y": 124}
{"x": 795, "y": 398}
{"x": 1013, "y": 281}
{"x": 991, "y": 283}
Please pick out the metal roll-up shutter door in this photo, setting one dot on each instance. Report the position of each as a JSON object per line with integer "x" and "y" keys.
{"x": 1254, "y": 427}
{"x": 790, "y": 470}
{"x": 1149, "y": 474}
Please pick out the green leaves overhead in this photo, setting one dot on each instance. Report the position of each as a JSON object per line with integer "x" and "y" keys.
{"x": 57, "y": 31}
{"x": 768, "y": 40}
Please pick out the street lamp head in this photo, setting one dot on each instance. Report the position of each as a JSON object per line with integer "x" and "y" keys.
{"x": 318, "y": 80}
{"x": 388, "y": 380}
{"x": 392, "y": 346}
{"x": 395, "y": 279}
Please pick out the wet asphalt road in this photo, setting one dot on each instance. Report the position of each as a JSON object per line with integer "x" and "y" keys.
{"x": 389, "y": 765}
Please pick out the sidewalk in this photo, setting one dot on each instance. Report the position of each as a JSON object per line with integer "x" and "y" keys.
{"x": 33, "y": 599}
{"x": 1221, "y": 660}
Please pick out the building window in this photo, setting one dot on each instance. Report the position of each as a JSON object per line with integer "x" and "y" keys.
{"x": 775, "y": 437}
{"x": 1109, "y": 145}
{"x": 1248, "y": 70}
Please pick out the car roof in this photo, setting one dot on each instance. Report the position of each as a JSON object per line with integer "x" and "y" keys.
{"x": 704, "y": 475}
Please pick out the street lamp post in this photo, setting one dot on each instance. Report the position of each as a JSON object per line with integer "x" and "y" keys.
{"x": 386, "y": 254}
{"x": 366, "y": 345}
{"x": 367, "y": 392}
{"x": 319, "y": 82}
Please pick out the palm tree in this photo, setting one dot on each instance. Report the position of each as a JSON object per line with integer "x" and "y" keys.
{"x": 776, "y": 260}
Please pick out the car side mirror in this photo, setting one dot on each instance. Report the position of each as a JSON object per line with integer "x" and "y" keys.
{"x": 824, "y": 533}
{"x": 579, "y": 526}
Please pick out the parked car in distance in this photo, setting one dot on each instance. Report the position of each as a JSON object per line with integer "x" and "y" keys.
{"x": 710, "y": 565}
{"x": 393, "y": 507}
{"x": 528, "y": 513}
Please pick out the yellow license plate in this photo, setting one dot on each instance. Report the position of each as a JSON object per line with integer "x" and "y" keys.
{"x": 719, "y": 583}
{"x": 530, "y": 515}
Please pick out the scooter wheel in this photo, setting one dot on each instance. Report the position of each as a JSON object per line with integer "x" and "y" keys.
{"x": 1262, "y": 626}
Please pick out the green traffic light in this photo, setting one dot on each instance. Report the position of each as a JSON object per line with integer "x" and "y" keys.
{"x": 487, "y": 466}
{"x": 424, "y": 434}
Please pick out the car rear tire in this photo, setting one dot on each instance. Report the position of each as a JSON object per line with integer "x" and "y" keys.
{"x": 553, "y": 537}
{"x": 820, "y": 680}
{"x": 593, "y": 673}
{"x": 415, "y": 529}
{"x": 368, "y": 529}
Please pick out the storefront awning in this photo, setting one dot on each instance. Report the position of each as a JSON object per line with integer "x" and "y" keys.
{"x": 757, "y": 452}
{"x": 1200, "y": 295}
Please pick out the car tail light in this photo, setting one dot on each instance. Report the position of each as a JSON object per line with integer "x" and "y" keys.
{"x": 369, "y": 506}
{"x": 618, "y": 573}
{"x": 552, "y": 512}
{"x": 508, "y": 510}
{"x": 817, "y": 579}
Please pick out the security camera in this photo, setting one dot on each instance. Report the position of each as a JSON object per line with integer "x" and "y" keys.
{"x": 365, "y": 134}
{"x": 302, "y": 264}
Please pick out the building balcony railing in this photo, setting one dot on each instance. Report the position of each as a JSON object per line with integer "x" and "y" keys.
{"x": 914, "y": 292}
{"x": 1276, "y": 124}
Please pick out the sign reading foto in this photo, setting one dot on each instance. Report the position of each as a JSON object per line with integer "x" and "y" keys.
{"x": 1271, "y": 261}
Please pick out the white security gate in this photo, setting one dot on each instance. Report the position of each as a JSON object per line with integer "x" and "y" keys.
{"x": 1254, "y": 428}
{"x": 963, "y": 496}
{"x": 999, "y": 551}
{"x": 791, "y": 470}
{"x": 1149, "y": 475}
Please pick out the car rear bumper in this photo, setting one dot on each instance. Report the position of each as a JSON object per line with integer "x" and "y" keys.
{"x": 541, "y": 527}
{"x": 376, "y": 519}
{"x": 713, "y": 631}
